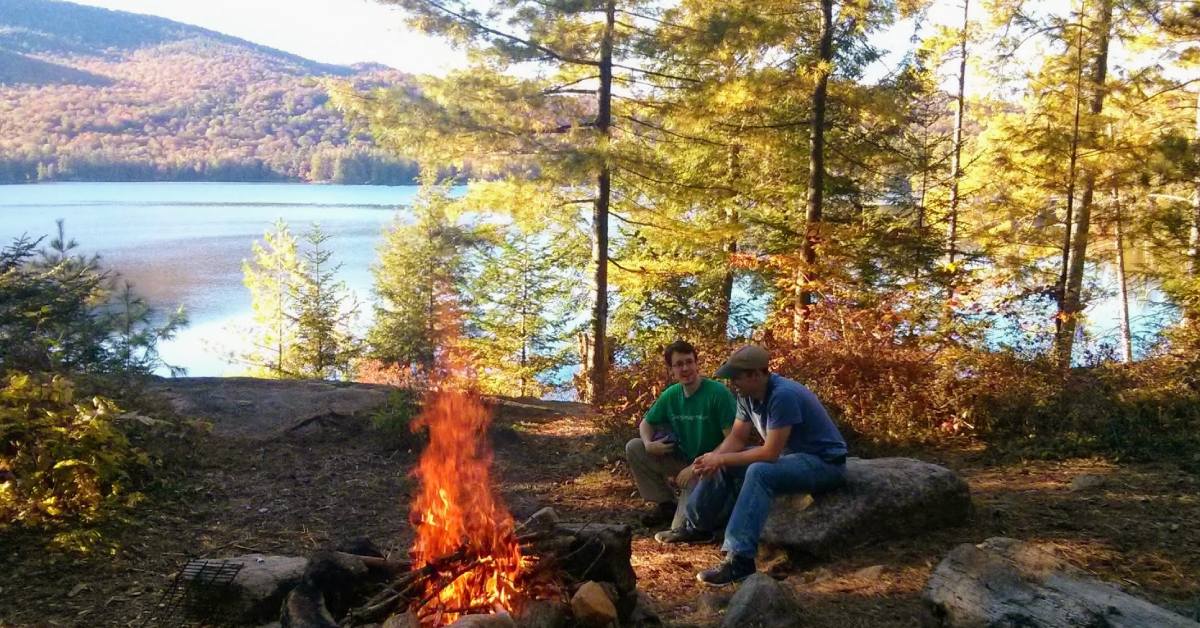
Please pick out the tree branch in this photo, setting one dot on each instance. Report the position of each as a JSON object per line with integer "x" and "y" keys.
{"x": 476, "y": 25}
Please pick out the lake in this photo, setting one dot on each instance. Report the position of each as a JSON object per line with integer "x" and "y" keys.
{"x": 183, "y": 243}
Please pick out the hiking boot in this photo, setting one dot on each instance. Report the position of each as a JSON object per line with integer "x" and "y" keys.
{"x": 660, "y": 515}
{"x": 686, "y": 534}
{"x": 733, "y": 569}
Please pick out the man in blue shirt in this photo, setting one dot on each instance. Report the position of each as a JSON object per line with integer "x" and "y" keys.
{"x": 802, "y": 452}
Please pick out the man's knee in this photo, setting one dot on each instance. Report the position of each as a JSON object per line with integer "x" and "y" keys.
{"x": 635, "y": 448}
{"x": 759, "y": 473}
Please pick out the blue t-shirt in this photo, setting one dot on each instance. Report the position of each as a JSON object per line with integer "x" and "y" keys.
{"x": 788, "y": 402}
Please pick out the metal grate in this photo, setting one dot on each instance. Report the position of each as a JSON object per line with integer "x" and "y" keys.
{"x": 189, "y": 601}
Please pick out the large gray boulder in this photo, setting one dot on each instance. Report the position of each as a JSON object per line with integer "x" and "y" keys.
{"x": 1003, "y": 583}
{"x": 884, "y": 498}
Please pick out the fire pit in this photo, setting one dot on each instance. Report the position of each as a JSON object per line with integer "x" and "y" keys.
{"x": 470, "y": 558}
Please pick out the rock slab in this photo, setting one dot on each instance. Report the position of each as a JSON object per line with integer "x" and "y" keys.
{"x": 250, "y": 408}
{"x": 884, "y": 498}
{"x": 256, "y": 592}
{"x": 1006, "y": 583}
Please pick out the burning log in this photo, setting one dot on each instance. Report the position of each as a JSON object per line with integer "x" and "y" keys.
{"x": 557, "y": 558}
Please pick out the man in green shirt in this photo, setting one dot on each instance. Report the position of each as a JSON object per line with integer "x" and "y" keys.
{"x": 689, "y": 419}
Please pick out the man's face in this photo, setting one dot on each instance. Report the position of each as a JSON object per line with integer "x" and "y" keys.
{"x": 684, "y": 368}
{"x": 749, "y": 383}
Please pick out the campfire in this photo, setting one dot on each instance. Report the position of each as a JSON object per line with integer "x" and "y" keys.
{"x": 465, "y": 540}
{"x": 469, "y": 556}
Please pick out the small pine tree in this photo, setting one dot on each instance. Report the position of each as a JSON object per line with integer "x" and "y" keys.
{"x": 419, "y": 282}
{"x": 520, "y": 321}
{"x": 134, "y": 340}
{"x": 324, "y": 311}
{"x": 70, "y": 332}
{"x": 59, "y": 313}
{"x": 270, "y": 277}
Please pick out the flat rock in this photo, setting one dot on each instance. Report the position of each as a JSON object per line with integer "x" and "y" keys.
{"x": 884, "y": 498}
{"x": 252, "y": 408}
{"x": 407, "y": 619}
{"x": 255, "y": 594}
{"x": 1005, "y": 583}
{"x": 1086, "y": 482}
{"x": 762, "y": 602}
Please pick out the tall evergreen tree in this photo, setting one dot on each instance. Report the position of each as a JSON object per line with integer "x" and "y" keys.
{"x": 558, "y": 122}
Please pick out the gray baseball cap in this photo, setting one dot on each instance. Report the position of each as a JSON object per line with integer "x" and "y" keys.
{"x": 747, "y": 358}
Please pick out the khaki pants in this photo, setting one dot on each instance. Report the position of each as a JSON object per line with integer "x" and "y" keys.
{"x": 652, "y": 474}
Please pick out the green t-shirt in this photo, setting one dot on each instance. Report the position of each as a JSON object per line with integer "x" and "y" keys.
{"x": 697, "y": 420}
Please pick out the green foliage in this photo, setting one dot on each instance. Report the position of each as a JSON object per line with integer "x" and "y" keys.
{"x": 301, "y": 313}
{"x": 520, "y": 323}
{"x": 393, "y": 420}
{"x": 419, "y": 283}
{"x": 60, "y": 457}
{"x": 709, "y": 155}
{"x": 324, "y": 312}
{"x": 60, "y": 313}
{"x": 270, "y": 350}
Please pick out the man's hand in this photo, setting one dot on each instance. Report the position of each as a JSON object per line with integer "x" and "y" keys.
{"x": 708, "y": 464}
{"x": 659, "y": 448}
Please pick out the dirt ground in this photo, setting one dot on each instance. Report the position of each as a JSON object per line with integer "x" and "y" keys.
{"x": 298, "y": 492}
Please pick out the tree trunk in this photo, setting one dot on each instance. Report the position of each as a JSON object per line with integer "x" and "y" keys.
{"x": 599, "y": 352}
{"x": 805, "y": 273}
{"x": 1193, "y": 313}
{"x": 956, "y": 163}
{"x": 1005, "y": 582}
{"x": 1060, "y": 289}
{"x": 1122, "y": 286}
{"x": 725, "y": 306}
{"x": 1073, "y": 294}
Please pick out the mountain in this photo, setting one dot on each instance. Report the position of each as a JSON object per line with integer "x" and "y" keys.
{"x": 93, "y": 94}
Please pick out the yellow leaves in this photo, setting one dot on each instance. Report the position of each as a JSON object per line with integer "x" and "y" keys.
{"x": 50, "y": 506}
{"x": 64, "y": 459}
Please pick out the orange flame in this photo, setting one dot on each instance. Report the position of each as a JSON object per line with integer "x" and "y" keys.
{"x": 457, "y": 511}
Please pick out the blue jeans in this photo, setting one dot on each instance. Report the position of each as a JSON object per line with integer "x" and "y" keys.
{"x": 742, "y": 495}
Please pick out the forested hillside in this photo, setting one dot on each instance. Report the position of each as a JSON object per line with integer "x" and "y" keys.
{"x": 93, "y": 94}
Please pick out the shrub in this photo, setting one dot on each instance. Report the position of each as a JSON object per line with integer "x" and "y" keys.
{"x": 393, "y": 420}
{"x": 61, "y": 312}
{"x": 60, "y": 458}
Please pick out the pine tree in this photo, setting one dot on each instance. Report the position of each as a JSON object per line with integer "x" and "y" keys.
{"x": 554, "y": 135}
{"x": 270, "y": 277}
{"x": 323, "y": 313}
{"x": 522, "y": 298}
{"x": 419, "y": 283}
{"x": 136, "y": 334}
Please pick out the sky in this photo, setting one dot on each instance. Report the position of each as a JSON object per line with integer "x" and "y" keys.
{"x": 351, "y": 31}
{"x": 331, "y": 31}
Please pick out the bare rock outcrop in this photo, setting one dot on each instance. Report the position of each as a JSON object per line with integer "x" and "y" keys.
{"x": 1004, "y": 582}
